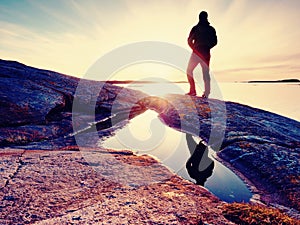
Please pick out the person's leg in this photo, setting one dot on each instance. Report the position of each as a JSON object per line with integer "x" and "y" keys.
{"x": 193, "y": 62}
{"x": 206, "y": 77}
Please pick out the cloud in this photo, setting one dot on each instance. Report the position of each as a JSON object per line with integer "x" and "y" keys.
{"x": 68, "y": 36}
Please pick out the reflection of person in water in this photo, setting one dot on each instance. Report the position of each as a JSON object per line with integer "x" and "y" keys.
{"x": 201, "y": 39}
{"x": 199, "y": 165}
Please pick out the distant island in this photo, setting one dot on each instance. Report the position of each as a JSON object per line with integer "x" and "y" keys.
{"x": 139, "y": 82}
{"x": 129, "y": 81}
{"x": 116, "y": 82}
{"x": 276, "y": 81}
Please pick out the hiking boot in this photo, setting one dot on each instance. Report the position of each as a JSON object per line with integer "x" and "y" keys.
{"x": 191, "y": 93}
{"x": 204, "y": 96}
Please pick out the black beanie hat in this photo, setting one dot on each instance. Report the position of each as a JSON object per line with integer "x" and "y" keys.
{"x": 203, "y": 15}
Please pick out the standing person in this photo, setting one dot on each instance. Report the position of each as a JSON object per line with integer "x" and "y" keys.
{"x": 201, "y": 39}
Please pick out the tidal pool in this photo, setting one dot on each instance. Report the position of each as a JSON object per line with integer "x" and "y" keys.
{"x": 146, "y": 134}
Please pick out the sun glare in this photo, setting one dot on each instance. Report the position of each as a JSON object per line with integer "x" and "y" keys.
{"x": 149, "y": 71}
{"x": 160, "y": 78}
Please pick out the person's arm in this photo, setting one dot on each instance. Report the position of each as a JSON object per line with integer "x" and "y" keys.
{"x": 213, "y": 39}
{"x": 191, "y": 38}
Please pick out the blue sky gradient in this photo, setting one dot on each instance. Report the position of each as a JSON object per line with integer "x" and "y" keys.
{"x": 257, "y": 39}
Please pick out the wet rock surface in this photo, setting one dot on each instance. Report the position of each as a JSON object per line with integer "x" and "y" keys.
{"x": 72, "y": 183}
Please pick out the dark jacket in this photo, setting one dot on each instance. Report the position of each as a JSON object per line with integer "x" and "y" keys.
{"x": 202, "y": 38}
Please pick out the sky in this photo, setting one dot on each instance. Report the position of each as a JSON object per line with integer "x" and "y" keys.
{"x": 258, "y": 40}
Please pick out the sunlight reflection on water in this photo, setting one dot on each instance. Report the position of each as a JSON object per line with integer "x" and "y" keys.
{"x": 172, "y": 151}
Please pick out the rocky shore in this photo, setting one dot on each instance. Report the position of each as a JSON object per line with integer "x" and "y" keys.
{"x": 60, "y": 187}
{"x": 47, "y": 179}
{"x": 263, "y": 146}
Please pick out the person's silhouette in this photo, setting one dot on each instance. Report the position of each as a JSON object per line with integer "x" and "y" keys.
{"x": 199, "y": 165}
{"x": 201, "y": 39}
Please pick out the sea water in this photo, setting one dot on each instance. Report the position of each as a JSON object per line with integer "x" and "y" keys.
{"x": 279, "y": 98}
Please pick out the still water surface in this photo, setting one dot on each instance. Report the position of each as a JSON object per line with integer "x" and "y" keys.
{"x": 146, "y": 134}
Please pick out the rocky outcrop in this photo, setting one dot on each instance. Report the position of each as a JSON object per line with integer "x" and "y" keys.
{"x": 96, "y": 185}
{"x": 60, "y": 187}
{"x": 264, "y": 146}
{"x": 37, "y": 106}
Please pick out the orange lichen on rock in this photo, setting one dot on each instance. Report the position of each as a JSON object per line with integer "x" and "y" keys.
{"x": 247, "y": 214}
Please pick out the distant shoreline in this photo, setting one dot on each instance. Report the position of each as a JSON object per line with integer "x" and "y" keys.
{"x": 183, "y": 82}
{"x": 140, "y": 82}
{"x": 276, "y": 81}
